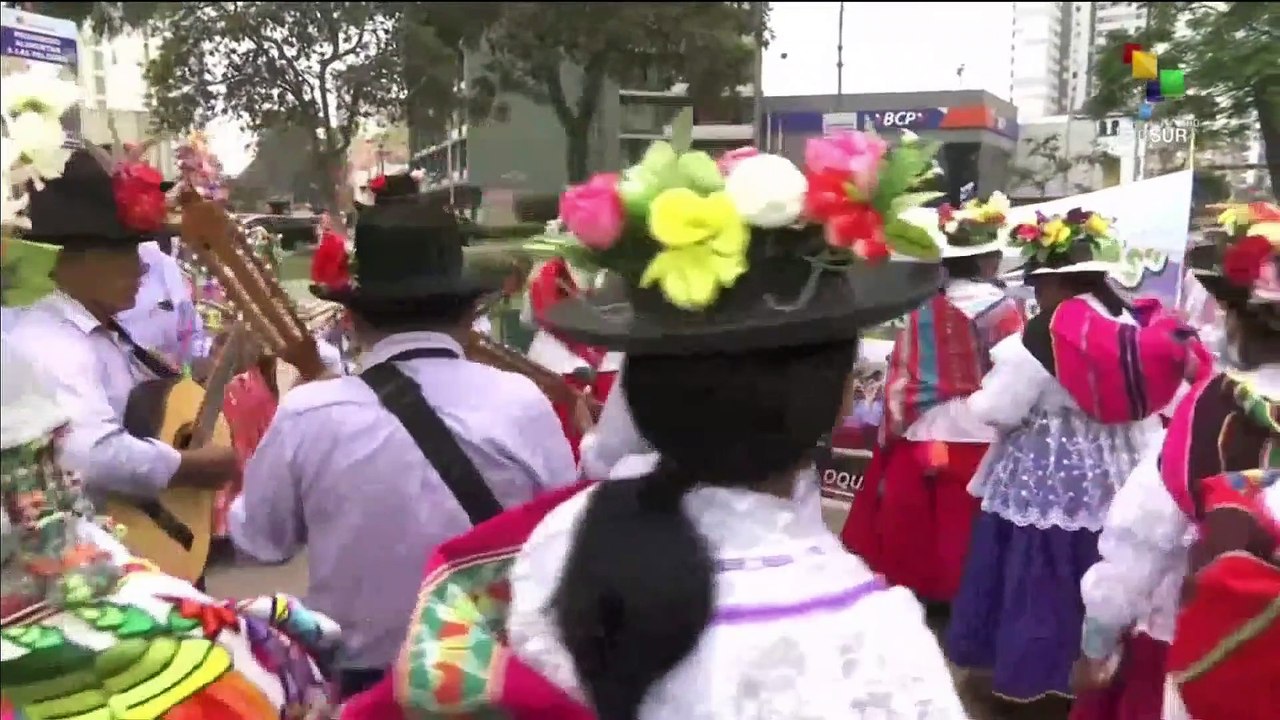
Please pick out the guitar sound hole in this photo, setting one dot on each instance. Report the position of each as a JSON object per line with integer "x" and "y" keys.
{"x": 182, "y": 438}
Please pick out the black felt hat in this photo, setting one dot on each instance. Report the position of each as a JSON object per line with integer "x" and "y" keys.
{"x": 79, "y": 209}
{"x": 783, "y": 299}
{"x": 392, "y": 190}
{"x": 1205, "y": 261}
{"x": 407, "y": 252}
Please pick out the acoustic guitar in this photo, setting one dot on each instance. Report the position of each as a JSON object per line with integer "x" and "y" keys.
{"x": 175, "y": 529}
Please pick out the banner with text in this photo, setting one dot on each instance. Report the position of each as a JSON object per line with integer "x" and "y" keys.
{"x": 44, "y": 45}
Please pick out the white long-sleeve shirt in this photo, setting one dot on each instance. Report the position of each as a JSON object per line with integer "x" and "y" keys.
{"x": 93, "y": 372}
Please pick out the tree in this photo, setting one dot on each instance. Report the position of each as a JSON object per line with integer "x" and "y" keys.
{"x": 536, "y": 49}
{"x": 321, "y": 67}
{"x": 1046, "y": 163}
{"x": 1230, "y": 54}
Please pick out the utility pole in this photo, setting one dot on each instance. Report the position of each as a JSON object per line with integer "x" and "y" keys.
{"x": 757, "y": 84}
{"x": 840, "y": 60}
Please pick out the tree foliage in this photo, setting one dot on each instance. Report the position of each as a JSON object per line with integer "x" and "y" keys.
{"x": 323, "y": 67}
{"x": 1230, "y": 54}
{"x": 562, "y": 54}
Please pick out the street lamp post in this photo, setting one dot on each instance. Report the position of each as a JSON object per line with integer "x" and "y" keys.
{"x": 840, "y": 59}
{"x": 757, "y": 89}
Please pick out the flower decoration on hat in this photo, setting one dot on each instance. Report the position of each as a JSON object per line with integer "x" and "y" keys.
{"x": 683, "y": 223}
{"x": 31, "y": 152}
{"x": 199, "y": 169}
{"x": 1055, "y": 235}
{"x": 975, "y": 222}
{"x": 1252, "y": 249}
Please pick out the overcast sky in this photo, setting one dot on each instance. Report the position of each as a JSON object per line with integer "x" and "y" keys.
{"x": 888, "y": 47}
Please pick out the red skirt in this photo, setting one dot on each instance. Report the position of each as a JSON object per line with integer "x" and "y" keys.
{"x": 915, "y": 529}
{"x": 1224, "y": 655}
{"x": 1136, "y": 692}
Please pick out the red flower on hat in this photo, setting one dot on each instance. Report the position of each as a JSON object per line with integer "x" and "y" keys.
{"x": 1242, "y": 263}
{"x": 378, "y": 184}
{"x": 140, "y": 202}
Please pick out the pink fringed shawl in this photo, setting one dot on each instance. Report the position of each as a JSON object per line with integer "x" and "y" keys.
{"x": 248, "y": 406}
{"x": 1121, "y": 373}
{"x": 455, "y": 663}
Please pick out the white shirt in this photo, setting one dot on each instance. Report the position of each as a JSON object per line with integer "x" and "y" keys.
{"x": 163, "y": 318}
{"x": 93, "y": 373}
{"x": 340, "y": 474}
{"x": 862, "y": 653}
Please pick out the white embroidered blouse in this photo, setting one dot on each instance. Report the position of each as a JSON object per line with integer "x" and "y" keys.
{"x": 802, "y": 630}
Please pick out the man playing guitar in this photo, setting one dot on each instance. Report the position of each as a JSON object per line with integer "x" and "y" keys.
{"x": 98, "y": 219}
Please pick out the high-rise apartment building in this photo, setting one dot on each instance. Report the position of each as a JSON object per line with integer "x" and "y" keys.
{"x": 1039, "y": 47}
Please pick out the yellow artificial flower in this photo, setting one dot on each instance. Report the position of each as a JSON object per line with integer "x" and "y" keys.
{"x": 1055, "y": 232}
{"x": 1234, "y": 215}
{"x": 1097, "y": 225}
{"x": 704, "y": 244}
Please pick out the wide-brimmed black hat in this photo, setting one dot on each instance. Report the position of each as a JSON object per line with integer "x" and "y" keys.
{"x": 408, "y": 252}
{"x": 1205, "y": 262}
{"x": 80, "y": 209}
{"x": 785, "y": 298}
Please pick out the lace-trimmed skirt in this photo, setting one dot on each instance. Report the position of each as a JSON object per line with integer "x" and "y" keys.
{"x": 1046, "y": 488}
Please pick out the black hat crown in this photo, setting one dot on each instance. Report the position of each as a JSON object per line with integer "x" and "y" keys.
{"x": 79, "y": 209}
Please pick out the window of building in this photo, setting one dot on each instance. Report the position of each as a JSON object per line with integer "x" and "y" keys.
{"x": 100, "y": 85}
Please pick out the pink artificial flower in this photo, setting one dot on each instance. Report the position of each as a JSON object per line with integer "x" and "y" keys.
{"x": 854, "y": 154}
{"x": 593, "y": 211}
{"x": 728, "y": 160}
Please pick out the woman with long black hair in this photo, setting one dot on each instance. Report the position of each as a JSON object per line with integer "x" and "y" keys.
{"x": 708, "y": 586}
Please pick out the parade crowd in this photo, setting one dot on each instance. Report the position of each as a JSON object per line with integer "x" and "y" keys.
{"x": 1084, "y": 501}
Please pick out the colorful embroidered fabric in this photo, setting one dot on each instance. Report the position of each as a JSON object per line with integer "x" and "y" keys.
{"x": 455, "y": 663}
{"x": 1228, "y": 634}
{"x": 940, "y": 355}
{"x": 1223, "y": 424}
{"x": 1117, "y": 373}
{"x": 157, "y": 650}
{"x": 44, "y": 561}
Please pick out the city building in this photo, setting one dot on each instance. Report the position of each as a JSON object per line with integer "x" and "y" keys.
{"x": 113, "y": 75}
{"x": 977, "y": 129}
{"x": 516, "y": 157}
{"x": 1039, "y": 75}
{"x": 1064, "y": 155}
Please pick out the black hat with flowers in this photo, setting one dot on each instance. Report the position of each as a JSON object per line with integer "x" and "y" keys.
{"x": 407, "y": 250}
{"x": 1241, "y": 266}
{"x": 1079, "y": 241}
{"x": 98, "y": 203}
{"x": 751, "y": 252}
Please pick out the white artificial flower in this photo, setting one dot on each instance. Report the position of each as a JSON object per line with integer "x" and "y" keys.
{"x": 38, "y": 93}
{"x": 39, "y": 141}
{"x": 767, "y": 190}
{"x": 998, "y": 203}
{"x": 909, "y": 138}
{"x": 951, "y": 226}
{"x": 934, "y": 170}
{"x": 925, "y": 218}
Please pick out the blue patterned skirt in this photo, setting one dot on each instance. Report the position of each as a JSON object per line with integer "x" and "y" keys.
{"x": 1019, "y": 613}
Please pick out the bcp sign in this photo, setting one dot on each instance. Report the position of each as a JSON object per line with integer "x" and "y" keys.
{"x": 922, "y": 119}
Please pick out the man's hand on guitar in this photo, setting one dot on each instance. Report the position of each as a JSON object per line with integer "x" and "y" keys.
{"x": 206, "y": 468}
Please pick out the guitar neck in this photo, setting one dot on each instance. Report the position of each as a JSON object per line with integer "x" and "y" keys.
{"x": 224, "y": 368}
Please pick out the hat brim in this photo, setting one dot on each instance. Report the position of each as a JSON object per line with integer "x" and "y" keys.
{"x": 471, "y": 283}
{"x": 870, "y": 296}
{"x": 1101, "y": 266}
{"x": 1222, "y": 290}
{"x": 959, "y": 251}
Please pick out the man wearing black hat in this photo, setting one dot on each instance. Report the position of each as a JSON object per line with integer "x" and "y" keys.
{"x": 372, "y": 472}
{"x": 98, "y": 221}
